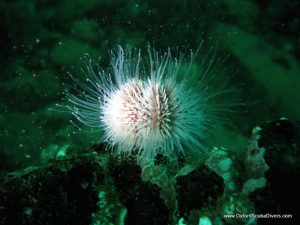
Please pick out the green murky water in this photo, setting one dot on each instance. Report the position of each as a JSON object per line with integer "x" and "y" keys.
{"x": 41, "y": 41}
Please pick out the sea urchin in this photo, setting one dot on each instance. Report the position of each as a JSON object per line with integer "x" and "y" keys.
{"x": 149, "y": 106}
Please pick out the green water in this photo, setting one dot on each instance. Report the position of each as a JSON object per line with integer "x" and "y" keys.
{"x": 43, "y": 40}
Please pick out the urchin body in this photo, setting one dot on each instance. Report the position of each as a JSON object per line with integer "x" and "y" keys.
{"x": 150, "y": 110}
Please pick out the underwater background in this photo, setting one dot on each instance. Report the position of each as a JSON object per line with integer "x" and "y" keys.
{"x": 44, "y": 163}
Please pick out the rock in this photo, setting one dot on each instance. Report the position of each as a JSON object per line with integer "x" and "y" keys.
{"x": 63, "y": 192}
{"x": 280, "y": 138}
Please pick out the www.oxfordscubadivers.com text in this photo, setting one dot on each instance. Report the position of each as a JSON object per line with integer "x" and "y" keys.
{"x": 258, "y": 216}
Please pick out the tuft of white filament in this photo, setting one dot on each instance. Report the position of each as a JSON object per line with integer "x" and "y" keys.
{"x": 147, "y": 105}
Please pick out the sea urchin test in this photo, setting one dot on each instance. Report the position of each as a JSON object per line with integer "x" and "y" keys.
{"x": 148, "y": 105}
